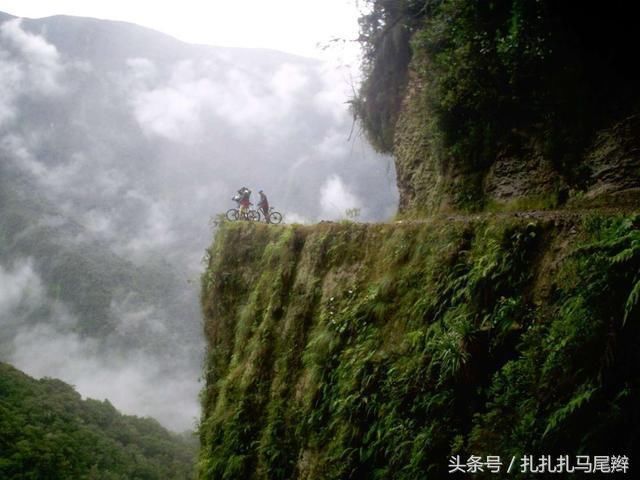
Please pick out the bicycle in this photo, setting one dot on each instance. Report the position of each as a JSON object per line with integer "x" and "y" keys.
{"x": 234, "y": 214}
{"x": 274, "y": 216}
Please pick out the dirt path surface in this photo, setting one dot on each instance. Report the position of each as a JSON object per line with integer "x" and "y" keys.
{"x": 560, "y": 215}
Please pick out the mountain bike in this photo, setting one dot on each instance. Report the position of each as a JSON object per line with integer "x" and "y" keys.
{"x": 250, "y": 215}
{"x": 274, "y": 216}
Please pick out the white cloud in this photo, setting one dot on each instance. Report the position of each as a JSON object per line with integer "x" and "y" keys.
{"x": 176, "y": 109}
{"x": 289, "y": 80}
{"x": 334, "y": 144}
{"x": 40, "y": 59}
{"x": 64, "y": 177}
{"x": 11, "y": 76}
{"x": 143, "y": 69}
{"x": 156, "y": 230}
{"x": 20, "y": 286}
{"x": 136, "y": 318}
{"x": 269, "y": 25}
{"x": 28, "y": 65}
{"x": 336, "y": 198}
{"x": 293, "y": 217}
{"x": 14, "y": 146}
{"x": 134, "y": 381}
{"x": 337, "y": 88}
{"x": 97, "y": 222}
{"x": 171, "y": 112}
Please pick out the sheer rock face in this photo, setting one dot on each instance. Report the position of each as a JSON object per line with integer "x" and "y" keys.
{"x": 419, "y": 176}
{"x": 609, "y": 168}
{"x": 614, "y": 159}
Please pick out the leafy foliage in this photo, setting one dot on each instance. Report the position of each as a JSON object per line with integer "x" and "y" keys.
{"x": 385, "y": 30}
{"x": 48, "y": 431}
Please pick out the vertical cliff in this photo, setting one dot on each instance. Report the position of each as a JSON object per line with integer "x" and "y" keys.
{"x": 376, "y": 351}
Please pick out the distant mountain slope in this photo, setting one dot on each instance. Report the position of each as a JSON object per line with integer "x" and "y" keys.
{"x": 110, "y": 41}
{"x": 78, "y": 267}
{"x": 48, "y": 431}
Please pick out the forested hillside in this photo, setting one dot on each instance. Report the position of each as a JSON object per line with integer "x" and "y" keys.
{"x": 48, "y": 431}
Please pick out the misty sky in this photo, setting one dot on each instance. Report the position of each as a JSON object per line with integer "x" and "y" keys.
{"x": 292, "y": 26}
{"x": 115, "y": 153}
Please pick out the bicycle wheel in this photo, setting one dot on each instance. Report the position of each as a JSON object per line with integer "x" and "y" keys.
{"x": 232, "y": 214}
{"x": 253, "y": 216}
{"x": 275, "y": 217}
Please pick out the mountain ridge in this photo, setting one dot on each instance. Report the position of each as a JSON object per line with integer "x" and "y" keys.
{"x": 137, "y": 35}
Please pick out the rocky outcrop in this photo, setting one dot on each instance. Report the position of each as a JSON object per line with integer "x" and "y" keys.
{"x": 613, "y": 162}
{"x": 521, "y": 176}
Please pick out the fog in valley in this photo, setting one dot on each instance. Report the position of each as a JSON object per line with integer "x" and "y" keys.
{"x": 118, "y": 144}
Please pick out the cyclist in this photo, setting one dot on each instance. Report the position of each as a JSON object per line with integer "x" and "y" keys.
{"x": 243, "y": 198}
{"x": 264, "y": 205}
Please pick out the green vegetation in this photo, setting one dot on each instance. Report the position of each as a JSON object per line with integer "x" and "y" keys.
{"x": 48, "y": 432}
{"x": 384, "y": 34}
{"x": 519, "y": 204}
{"x": 376, "y": 351}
